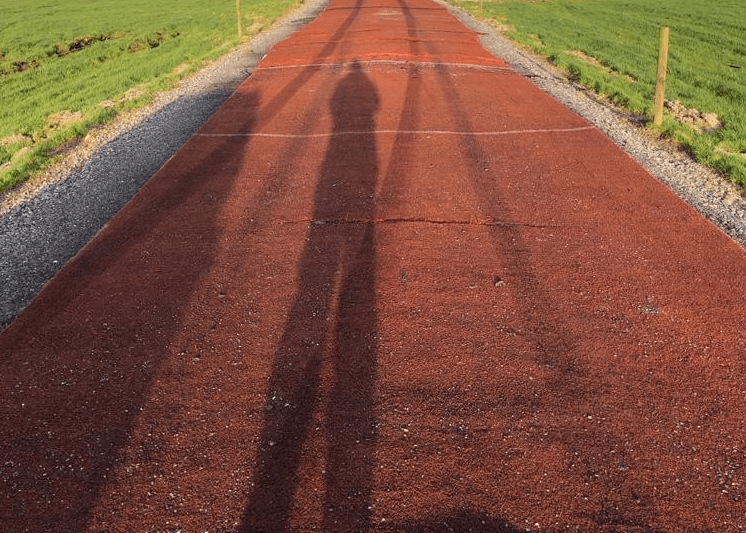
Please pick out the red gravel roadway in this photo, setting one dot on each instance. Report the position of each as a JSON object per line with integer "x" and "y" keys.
{"x": 389, "y": 286}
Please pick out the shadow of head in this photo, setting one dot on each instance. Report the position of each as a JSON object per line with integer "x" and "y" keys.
{"x": 355, "y": 101}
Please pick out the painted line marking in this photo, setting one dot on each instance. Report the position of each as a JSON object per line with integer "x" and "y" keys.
{"x": 396, "y": 132}
{"x": 433, "y": 64}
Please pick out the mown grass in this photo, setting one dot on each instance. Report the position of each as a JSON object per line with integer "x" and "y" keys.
{"x": 706, "y": 65}
{"x": 72, "y": 56}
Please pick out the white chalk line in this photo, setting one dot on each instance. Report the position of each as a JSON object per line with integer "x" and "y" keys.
{"x": 397, "y": 132}
{"x": 432, "y": 64}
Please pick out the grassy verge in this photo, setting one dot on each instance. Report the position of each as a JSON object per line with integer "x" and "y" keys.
{"x": 611, "y": 47}
{"x": 66, "y": 66}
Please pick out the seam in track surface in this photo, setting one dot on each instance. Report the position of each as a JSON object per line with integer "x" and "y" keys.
{"x": 399, "y": 132}
{"x": 413, "y": 63}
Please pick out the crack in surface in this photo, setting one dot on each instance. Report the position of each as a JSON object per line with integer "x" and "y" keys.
{"x": 483, "y": 221}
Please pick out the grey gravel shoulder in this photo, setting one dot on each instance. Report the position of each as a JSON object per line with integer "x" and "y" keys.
{"x": 717, "y": 199}
{"x": 52, "y": 224}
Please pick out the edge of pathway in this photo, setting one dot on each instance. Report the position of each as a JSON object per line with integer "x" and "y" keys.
{"x": 49, "y": 221}
{"x": 713, "y": 196}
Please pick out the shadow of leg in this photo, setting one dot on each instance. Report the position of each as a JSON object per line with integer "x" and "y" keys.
{"x": 340, "y": 239}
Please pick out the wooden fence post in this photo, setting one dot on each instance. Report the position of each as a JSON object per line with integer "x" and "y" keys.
{"x": 238, "y": 17}
{"x": 660, "y": 79}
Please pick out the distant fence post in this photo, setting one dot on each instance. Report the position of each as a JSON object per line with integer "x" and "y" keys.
{"x": 238, "y": 17}
{"x": 660, "y": 79}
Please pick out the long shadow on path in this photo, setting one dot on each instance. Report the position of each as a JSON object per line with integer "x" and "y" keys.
{"x": 332, "y": 322}
{"x": 79, "y": 362}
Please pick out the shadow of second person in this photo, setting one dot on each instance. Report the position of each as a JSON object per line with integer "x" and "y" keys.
{"x": 331, "y": 331}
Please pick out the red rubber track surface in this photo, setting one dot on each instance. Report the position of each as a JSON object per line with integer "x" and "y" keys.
{"x": 389, "y": 286}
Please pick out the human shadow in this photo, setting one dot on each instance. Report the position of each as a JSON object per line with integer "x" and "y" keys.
{"x": 80, "y": 360}
{"x": 336, "y": 285}
{"x": 570, "y": 383}
{"x": 42, "y": 449}
{"x": 554, "y": 338}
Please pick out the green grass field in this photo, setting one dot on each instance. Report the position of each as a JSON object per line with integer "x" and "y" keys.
{"x": 62, "y": 59}
{"x": 611, "y": 46}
